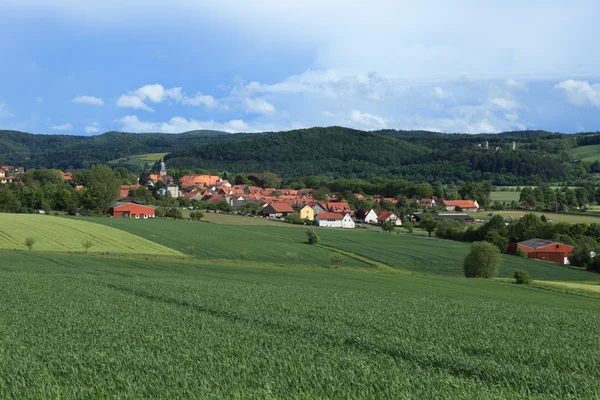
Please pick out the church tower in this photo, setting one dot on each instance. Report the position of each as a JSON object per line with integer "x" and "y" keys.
{"x": 163, "y": 168}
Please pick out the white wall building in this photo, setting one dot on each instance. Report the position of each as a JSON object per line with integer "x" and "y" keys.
{"x": 333, "y": 220}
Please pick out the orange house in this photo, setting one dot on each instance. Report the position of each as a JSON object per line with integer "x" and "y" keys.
{"x": 130, "y": 210}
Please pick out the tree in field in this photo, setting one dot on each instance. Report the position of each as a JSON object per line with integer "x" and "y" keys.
{"x": 522, "y": 277}
{"x": 29, "y": 242}
{"x": 174, "y": 213}
{"x": 336, "y": 259}
{"x": 196, "y": 215}
{"x": 86, "y": 244}
{"x": 311, "y": 236}
{"x": 104, "y": 187}
{"x": 291, "y": 257}
{"x": 388, "y": 226}
{"x": 428, "y": 223}
{"x": 408, "y": 225}
{"x": 482, "y": 261}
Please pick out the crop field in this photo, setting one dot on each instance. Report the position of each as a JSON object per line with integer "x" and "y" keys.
{"x": 586, "y": 218}
{"x": 271, "y": 243}
{"x": 139, "y": 160}
{"x": 588, "y": 153}
{"x": 66, "y": 235}
{"x": 228, "y": 242}
{"x": 504, "y": 196}
{"x": 73, "y": 326}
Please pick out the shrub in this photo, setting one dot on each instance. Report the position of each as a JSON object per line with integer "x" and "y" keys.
{"x": 482, "y": 261}
{"x": 191, "y": 250}
{"x": 293, "y": 219}
{"x": 521, "y": 252}
{"x": 196, "y": 215}
{"x": 522, "y": 277}
{"x": 291, "y": 257}
{"x": 86, "y": 244}
{"x": 336, "y": 259}
{"x": 174, "y": 213}
{"x": 408, "y": 225}
{"x": 311, "y": 236}
{"x": 244, "y": 255}
{"x": 29, "y": 242}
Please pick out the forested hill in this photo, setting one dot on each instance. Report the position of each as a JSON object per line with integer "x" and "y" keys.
{"x": 64, "y": 151}
{"x": 346, "y": 153}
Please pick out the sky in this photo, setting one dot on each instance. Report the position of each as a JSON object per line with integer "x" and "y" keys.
{"x": 87, "y": 67}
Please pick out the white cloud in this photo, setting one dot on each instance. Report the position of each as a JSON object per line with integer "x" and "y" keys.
{"x": 514, "y": 84}
{"x": 63, "y": 127}
{"x": 504, "y": 103}
{"x": 92, "y": 128}
{"x": 39, "y": 99}
{"x": 91, "y": 100}
{"x": 366, "y": 119}
{"x": 442, "y": 94}
{"x": 127, "y": 101}
{"x": 157, "y": 94}
{"x": 131, "y": 123}
{"x": 259, "y": 106}
{"x": 581, "y": 93}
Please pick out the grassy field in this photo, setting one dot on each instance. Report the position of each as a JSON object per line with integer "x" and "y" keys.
{"x": 504, "y": 196}
{"x": 139, "y": 160}
{"x": 90, "y": 327}
{"x": 270, "y": 243}
{"x": 229, "y": 242}
{"x": 587, "y": 218}
{"x": 66, "y": 235}
{"x": 589, "y": 153}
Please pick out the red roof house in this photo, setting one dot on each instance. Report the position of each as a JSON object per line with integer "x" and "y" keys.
{"x": 130, "y": 210}
{"x": 277, "y": 209}
{"x": 460, "y": 205}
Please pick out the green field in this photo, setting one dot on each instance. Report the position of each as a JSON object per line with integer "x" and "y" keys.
{"x": 504, "y": 196}
{"x": 139, "y": 160}
{"x": 66, "y": 235}
{"x": 586, "y": 218}
{"x": 212, "y": 325}
{"x": 588, "y": 153}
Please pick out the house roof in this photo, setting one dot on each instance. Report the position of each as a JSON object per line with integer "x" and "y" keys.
{"x": 281, "y": 207}
{"x": 461, "y": 203}
{"x": 330, "y": 216}
{"x": 384, "y": 215}
{"x": 537, "y": 243}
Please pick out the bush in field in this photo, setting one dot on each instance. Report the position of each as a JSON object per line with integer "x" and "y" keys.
{"x": 428, "y": 223}
{"x": 174, "y": 213}
{"x": 336, "y": 259}
{"x": 447, "y": 229}
{"x": 494, "y": 237}
{"x": 86, "y": 244}
{"x": 244, "y": 255}
{"x": 29, "y": 242}
{"x": 196, "y": 215}
{"x": 191, "y": 250}
{"x": 482, "y": 261}
{"x": 522, "y": 277}
{"x": 311, "y": 236}
{"x": 291, "y": 257}
{"x": 521, "y": 252}
{"x": 293, "y": 218}
{"x": 408, "y": 225}
{"x": 388, "y": 226}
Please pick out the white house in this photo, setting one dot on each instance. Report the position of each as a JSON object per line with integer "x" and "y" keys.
{"x": 385, "y": 216}
{"x": 333, "y": 220}
{"x": 367, "y": 215}
{"x": 173, "y": 190}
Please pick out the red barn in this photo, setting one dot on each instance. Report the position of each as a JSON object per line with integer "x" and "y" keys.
{"x": 130, "y": 210}
{"x": 545, "y": 250}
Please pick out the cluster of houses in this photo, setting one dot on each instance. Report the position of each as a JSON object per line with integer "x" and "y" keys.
{"x": 8, "y": 173}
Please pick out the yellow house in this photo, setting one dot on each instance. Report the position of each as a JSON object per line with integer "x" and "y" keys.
{"x": 308, "y": 213}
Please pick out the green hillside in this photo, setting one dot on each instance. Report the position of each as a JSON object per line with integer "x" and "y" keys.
{"x": 67, "y": 235}
{"x": 588, "y": 153}
{"x": 86, "y": 327}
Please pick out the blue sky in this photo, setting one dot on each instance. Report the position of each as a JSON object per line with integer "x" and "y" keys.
{"x": 87, "y": 67}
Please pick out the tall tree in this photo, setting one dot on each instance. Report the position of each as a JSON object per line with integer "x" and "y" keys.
{"x": 104, "y": 187}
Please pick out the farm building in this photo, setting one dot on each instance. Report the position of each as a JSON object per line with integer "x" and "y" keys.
{"x": 130, "y": 210}
{"x": 460, "y": 205}
{"x": 334, "y": 220}
{"x": 277, "y": 209}
{"x": 545, "y": 250}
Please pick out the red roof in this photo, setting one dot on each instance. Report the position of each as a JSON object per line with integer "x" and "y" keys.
{"x": 281, "y": 207}
{"x": 461, "y": 203}
{"x": 384, "y": 215}
{"x": 330, "y": 216}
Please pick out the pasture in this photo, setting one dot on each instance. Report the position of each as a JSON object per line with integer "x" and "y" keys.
{"x": 73, "y": 326}
{"x": 588, "y": 153}
{"x": 505, "y": 196}
{"x": 586, "y": 218}
{"x": 270, "y": 243}
{"x": 139, "y": 160}
{"x": 67, "y": 235}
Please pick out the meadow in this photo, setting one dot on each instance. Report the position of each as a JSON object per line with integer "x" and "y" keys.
{"x": 139, "y": 160}
{"x": 73, "y": 326}
{"x": 505, "y": 196}
{"x": 67, "y": 235}
{"x": 586, "y": 218}
{"x": 588, "y": 153}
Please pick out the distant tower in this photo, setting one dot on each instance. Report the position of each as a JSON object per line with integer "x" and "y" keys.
{"x": 487, "y": 145}
{"x": 163, "y": 168}
{"x": 514, "y": 146}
